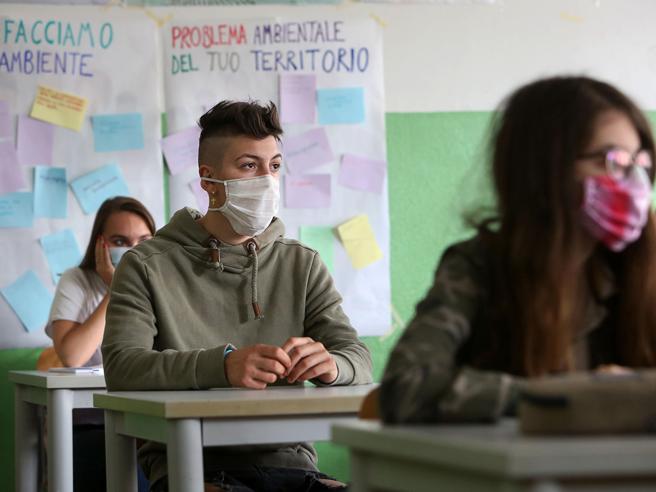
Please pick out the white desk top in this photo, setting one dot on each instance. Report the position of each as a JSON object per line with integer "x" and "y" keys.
{"x": 233, "y": 402}
{"x": 501, "y": 450}
{"x": 53, "y": 380}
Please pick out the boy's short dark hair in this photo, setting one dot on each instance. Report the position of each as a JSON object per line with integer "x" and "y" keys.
{"x": 239, "y": 118}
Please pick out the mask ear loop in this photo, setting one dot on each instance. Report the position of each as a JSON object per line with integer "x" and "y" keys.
{"x": 227, "y": 193}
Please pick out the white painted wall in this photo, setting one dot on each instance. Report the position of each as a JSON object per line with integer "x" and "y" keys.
{"x": 463, "y": 55}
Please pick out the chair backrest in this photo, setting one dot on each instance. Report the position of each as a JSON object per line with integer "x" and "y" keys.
{"x": 48, "y": 359}
{"x": 370, "y": 409}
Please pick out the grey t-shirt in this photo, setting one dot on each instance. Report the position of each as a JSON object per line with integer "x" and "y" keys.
{"x": 78, "y": 294}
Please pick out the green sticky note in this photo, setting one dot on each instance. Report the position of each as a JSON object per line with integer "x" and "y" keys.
{"x": 321, "y": 239}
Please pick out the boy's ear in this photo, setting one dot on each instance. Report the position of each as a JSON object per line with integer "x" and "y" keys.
{"x": 205, "y": 171}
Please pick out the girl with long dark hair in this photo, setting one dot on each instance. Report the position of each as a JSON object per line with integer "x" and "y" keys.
{"x": 561, "y": 278}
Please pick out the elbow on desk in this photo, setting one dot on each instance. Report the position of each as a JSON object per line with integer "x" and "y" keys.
{"x": 117, "y": 377}
{"x": 70, "y": 360}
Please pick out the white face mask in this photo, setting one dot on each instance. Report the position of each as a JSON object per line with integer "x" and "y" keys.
{"x": 250, "y": 203}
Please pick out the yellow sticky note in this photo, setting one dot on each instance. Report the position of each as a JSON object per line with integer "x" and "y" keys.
{"x": 59, "y": 108}
{"x": 358, "y": 238}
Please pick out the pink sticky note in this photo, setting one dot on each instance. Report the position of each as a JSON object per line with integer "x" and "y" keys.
{"x": 297, "y": 98}
{"x": 181, "y": 149}
{"x": 362, "y": 173}
{"x": 11, "y": 174}
{"x": 307, "y": 151}
{"x": 35, "y": 142}
{"x": 307, "y": 191}
{"x": 5, "y": 120}
{"x": 201, "y": 195}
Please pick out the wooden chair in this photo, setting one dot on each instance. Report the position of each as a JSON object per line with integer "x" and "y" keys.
{"x": 370, "y": 407}
{"x": 48, "y": 359}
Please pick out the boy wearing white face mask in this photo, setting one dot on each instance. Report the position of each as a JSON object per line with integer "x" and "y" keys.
{"x": 257, "y": 309}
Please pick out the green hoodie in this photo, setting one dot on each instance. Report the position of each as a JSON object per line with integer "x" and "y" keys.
{"x": 173, "y": 310}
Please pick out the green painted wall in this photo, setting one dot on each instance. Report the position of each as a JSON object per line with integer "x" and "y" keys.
{"x": 432, "y": 159}
{"x": 13, "y": 359}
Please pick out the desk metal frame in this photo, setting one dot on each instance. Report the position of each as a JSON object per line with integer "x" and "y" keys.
{"x": 59, "y": 394}
{"x": 129, "y": 416}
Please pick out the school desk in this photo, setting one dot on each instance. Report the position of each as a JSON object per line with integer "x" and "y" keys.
{"x": 59, "y": 394}
{"x": 188, "y": 420}
{"x": 493, "y": 458}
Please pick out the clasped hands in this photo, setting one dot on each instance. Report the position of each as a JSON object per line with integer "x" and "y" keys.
{"x": 299, "y": 359}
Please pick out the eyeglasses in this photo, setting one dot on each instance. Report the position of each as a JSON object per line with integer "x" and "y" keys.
{"x": 620, "y": 163}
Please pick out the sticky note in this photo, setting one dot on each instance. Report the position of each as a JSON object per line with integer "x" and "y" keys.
{"x": 11, "y": 174}
{"x": 181, "y": 149}
{"x": 358, "y": 239}
{"x": 16, "y": 209}
{"x": 29, "y": 299}
{"x": 322, "y": 239}
{"x": 62, "y": 252}
{"x": 6, "y": 130}
{"x": 297, "y": 98}
{"x": 202, "y": 199}
{"x": 95, "y": 187}
{"x": 117, "y": 132}
{"x": 50, "y": 192}
{"x": 306, "y": 151}
{"x": 35, "y": 142}
{"x": 59, "y": 108}
{"x": 362, "y": 173}
{"x": 345, "y": 105}
{"x": 307, "y": 191}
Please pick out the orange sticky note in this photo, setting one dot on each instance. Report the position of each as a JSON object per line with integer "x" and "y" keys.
{"x": 358, "y": 239}
{"x": 59, "y": 108}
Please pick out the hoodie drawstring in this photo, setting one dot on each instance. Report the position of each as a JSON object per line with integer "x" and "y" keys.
{"x": 215, "y": 253}
{"x": 252, "y": 252}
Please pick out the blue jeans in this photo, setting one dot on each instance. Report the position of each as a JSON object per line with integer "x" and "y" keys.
{"x": 254, "y": 478}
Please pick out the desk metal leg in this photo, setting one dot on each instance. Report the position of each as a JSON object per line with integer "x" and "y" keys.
{"x": 184, "y": 451}
{"x": 26, "y": 443}
{"x": 120, "y": 457}
{"x": 359, "y": 473}
{"x": 60, "y": 440}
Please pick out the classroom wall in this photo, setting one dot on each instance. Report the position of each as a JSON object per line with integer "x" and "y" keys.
{"x": 464, "y": 55}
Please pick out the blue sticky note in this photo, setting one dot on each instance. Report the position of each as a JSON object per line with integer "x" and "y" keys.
{"x": 62, "y": 252}
{"x": 29, "y": 299}
{"x": 95, "y": 187}
{"x": 50, "y": 192}
{"x": 16, "y": 209}
{"x": 115, "y": 132}
{"x": 344, "y": 105}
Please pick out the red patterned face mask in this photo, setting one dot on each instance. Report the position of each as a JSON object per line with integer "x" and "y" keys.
{"x": 615, "y": 210}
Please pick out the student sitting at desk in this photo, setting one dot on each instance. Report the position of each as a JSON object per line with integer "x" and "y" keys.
{"x": 561, "y": 278}
{"x": 77, "y": 319}
{"x": 225, "y": 300}
{"x": 77, "y": 316}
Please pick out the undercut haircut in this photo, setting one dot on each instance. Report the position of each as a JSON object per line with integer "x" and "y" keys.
{"x": 237, "y": 118}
